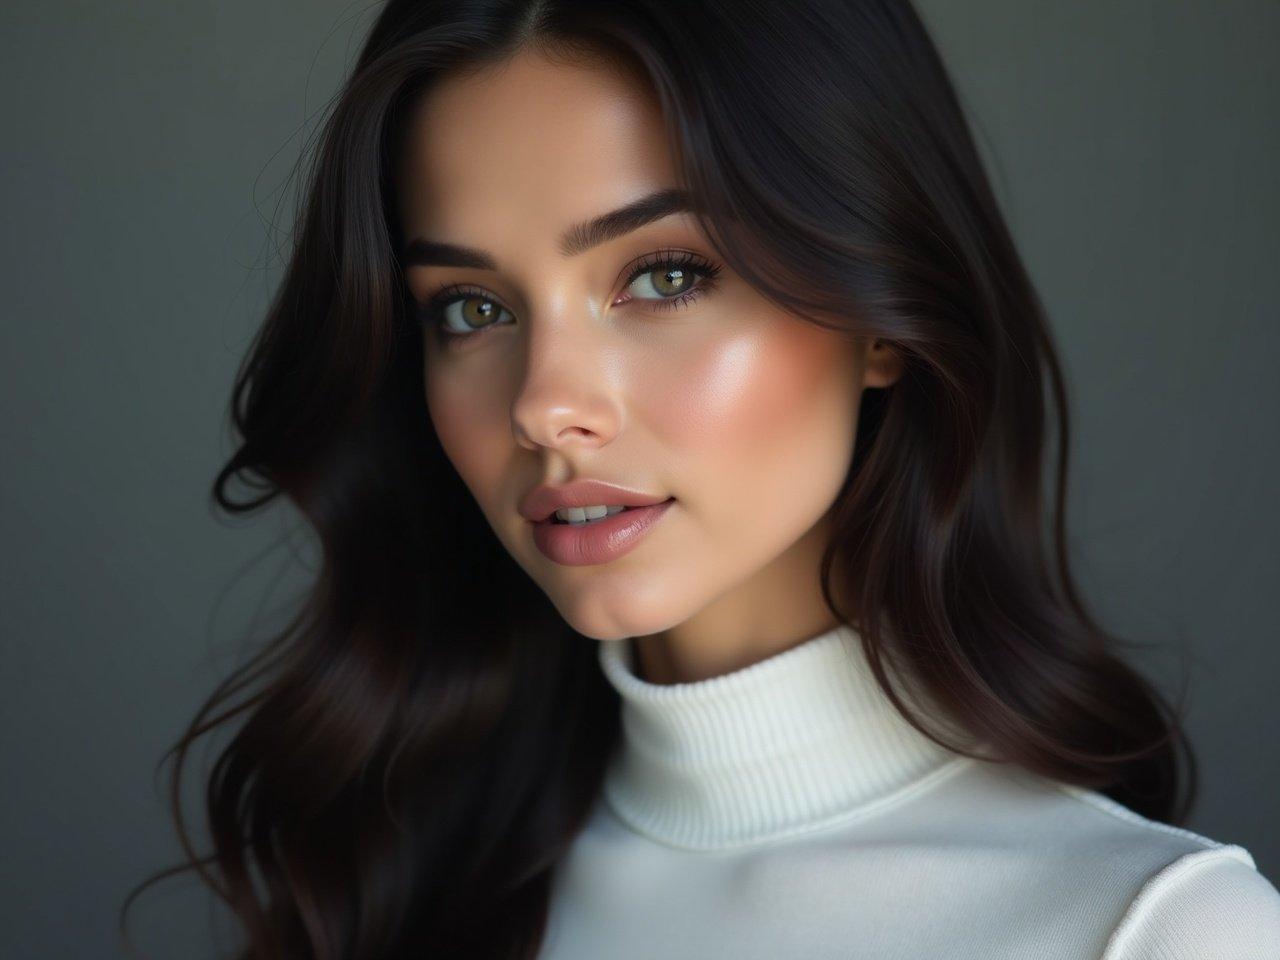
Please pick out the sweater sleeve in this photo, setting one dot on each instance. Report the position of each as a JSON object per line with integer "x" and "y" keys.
{"x": 1208, "y": 905}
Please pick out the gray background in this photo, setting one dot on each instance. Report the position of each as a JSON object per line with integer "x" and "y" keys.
{"x": 146, "y": 196}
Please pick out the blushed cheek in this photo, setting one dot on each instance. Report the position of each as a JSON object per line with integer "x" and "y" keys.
{"x": 746, "y": 413}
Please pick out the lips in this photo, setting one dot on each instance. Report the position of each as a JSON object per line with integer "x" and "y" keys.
{"x": 603, "y": 540}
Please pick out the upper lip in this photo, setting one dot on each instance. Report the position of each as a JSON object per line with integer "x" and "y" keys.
{"x": 543, "y": 500}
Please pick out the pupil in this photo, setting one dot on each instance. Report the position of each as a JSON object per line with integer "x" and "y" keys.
{"x": 673, "y": 279}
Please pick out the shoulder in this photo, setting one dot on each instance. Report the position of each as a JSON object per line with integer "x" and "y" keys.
{"x": 1211, "y": 903}
{"x": 1144, "y": 889}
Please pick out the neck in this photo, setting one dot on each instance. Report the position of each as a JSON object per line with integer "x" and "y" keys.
{"x": 797, "y": 741}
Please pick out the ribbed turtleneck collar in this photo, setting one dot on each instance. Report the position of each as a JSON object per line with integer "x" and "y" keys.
{"x": 801, "y": 740}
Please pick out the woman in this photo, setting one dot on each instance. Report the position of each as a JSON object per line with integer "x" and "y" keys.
{"x": 667, "y": 396}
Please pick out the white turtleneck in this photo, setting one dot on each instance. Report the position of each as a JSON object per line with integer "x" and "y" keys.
{"x": 786, "y": 810}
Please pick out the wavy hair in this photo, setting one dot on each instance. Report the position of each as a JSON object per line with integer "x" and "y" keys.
{"x": 414, "y": 753}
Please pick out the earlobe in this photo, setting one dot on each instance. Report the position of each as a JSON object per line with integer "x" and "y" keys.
{"x": 883, "y": 367}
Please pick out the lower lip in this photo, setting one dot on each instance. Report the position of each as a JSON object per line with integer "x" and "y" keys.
{"x": 603, "y": 540}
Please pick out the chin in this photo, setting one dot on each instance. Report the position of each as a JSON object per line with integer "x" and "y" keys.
{"x": 614, "y": 611}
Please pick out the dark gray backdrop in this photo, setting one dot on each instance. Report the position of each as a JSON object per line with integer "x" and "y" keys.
{"x": 147, "y": 147}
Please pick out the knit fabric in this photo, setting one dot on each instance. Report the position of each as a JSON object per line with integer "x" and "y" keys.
{"x": 788, "y": 810}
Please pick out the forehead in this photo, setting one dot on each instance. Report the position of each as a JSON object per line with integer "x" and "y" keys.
{"x": 534, "y": 142}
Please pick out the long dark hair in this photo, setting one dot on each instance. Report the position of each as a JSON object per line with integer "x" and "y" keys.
{"x": 423, "y": 742}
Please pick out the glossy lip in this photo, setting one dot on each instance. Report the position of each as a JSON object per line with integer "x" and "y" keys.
{"x": 544, "y": 500}
{"x": 601, "y": 540}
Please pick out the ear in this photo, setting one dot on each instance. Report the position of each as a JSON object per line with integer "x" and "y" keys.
{"x": 883, "y": 365}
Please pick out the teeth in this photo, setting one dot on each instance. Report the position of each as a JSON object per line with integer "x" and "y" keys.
{"x": 586, "y": 514}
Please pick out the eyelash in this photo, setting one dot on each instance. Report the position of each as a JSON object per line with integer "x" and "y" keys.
{"x": 432, "y": 311}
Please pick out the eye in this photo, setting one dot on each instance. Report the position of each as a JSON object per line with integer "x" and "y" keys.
{"x": 462, "y": 312}
{"x": 666, "y": 279}
{"x": 672, "y": 279}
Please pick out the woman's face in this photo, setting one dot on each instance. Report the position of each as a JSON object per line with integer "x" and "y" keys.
{"x": 574, "y": 369}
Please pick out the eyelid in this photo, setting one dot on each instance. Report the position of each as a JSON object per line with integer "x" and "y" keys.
{"x": 683, "y": 258}
{"x": 454, "y": 291}
{"x": 631, "y": 271}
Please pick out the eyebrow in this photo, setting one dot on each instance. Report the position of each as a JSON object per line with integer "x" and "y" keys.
{"x": 577, "y": 239}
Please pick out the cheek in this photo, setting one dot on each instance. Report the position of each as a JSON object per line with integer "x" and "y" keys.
{"x": 769, "y": 412}
{"x": 464, "y": 421}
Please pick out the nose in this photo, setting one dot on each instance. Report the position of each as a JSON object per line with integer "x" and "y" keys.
{"x": 566, "y": 398}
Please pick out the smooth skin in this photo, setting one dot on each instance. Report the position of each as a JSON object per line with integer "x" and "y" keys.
{"x": 744, "y": 413}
